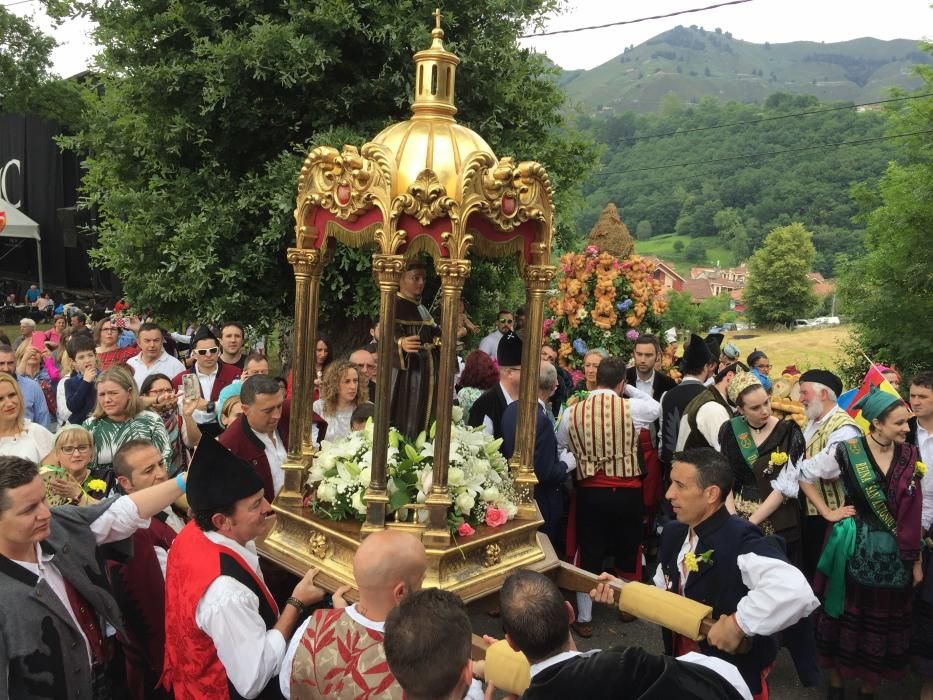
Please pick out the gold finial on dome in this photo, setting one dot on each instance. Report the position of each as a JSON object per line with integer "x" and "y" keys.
{"x": 435, "y": 75}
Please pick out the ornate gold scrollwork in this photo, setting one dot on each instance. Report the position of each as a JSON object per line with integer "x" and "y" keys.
{"x": 492, "y": 555}
{"x": 425, "y": 200}
{"x": 539, "y": 277}
{"x": 453, "y": 272}
{"x": 304, "y": 261}
{"x": 344, "y": 183}
{"x": 318, "y": 546}
{"x": 388, "y": 268}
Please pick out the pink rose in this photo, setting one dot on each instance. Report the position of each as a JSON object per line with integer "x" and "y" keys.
{"x": 465, "y": 530}
{"x": 496, "y": 516}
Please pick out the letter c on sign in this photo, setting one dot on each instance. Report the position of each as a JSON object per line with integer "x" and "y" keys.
{"x": 3, "y": 192}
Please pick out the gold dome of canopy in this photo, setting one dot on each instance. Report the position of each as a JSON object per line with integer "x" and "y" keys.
{"x": 432, "y": 139}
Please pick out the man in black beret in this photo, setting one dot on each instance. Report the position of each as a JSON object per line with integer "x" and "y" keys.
{"x": 827, "y": 426}
{"x": 224, "y": 634}
{"x": 488, "y": 409}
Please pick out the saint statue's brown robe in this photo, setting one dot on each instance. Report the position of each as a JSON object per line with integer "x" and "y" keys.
{"x": 414, "y": 374}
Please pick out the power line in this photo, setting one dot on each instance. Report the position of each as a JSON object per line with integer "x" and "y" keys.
{"x": 771, "y": 119}
{"x": 633, "y": 21}
{"x": 19, "y": 2}
{"x": 764, "y": 153}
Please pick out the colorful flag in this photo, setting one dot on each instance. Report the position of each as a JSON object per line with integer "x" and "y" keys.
{"x": 873, "y": 378}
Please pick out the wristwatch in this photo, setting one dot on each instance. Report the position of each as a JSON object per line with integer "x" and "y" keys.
{"x": 210, "y": 407}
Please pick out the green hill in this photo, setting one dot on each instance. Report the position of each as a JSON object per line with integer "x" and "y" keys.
{"x": 694, "y": 63}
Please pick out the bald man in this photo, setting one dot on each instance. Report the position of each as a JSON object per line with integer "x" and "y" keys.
{"x": 338, "y": 654}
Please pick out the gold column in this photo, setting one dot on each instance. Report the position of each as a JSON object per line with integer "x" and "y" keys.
{"x": 453, "y": 274}
{"x": 308, "y": 265}
{"x": 537, "y": 281}
{"x": 387, "y": 271}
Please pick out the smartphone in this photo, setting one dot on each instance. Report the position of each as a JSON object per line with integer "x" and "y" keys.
{"x": 38, "y": 340}
{"x": 191, "y": 386}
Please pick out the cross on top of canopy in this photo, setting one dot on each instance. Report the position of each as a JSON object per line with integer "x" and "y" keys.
{"x": 427, "y": 184}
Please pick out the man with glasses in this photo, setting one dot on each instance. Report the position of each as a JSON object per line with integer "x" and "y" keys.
{"x": 212, "y": 375}
{"x": 365, "y": 363}
{"x": 152, "y": 358}
{"x": 490, "y": 343}
{"x": 488, "y": 409}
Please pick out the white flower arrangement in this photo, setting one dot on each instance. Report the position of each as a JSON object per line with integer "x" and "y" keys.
{"x": 478, "y": 479}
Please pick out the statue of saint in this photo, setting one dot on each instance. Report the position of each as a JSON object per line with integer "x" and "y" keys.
{"x": 416, "y": 357}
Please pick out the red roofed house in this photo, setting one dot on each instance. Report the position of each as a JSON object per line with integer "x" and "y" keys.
{"x": 666, "y": 274}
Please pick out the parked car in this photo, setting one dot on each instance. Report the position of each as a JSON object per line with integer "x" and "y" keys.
{"x": 730, "y": 327}
{"x": 803, "y": 323}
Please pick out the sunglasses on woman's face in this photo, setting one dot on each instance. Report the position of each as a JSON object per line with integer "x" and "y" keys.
{"x": 206, "y": 351}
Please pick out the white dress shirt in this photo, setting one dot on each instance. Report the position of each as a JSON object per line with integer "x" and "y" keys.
{"x": 925, "y": 443}
{"x": 116, "y": 523}
{"x": 166, "y": 364}
{"x": 487, "y": 421}
{"x": 710, "y": 418}
{"x": 228, "y": 613}
{"x": 490, "y": 344}
{"x": 778, "y": 594}
{"x": 276, "y": 454}
{"x": 207, "y": 387}
{"x": 645, "y": 385}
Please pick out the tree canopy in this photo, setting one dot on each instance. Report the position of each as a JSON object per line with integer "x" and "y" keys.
{"x": 208, "y": 108}
{"x": 889, "y": 291}
{"x": 27, "y": 84}
{"x": 778, "y": 290}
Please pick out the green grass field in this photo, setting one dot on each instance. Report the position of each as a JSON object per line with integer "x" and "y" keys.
{"x": 663, "y": 247}
{"x": 805, "y": 348}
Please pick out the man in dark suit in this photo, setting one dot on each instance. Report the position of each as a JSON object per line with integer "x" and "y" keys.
{"x": 551, "y": 469}
{"x": 536, "y": 620}
{"x": 488, "y": 409}
{"x": 642, "y": 375}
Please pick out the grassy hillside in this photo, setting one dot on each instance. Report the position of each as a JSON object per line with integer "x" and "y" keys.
{"x": 694, "y": 63}
{"x": 663, "y": 247}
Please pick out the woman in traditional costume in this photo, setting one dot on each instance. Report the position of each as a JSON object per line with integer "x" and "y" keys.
{"x": 757, "y": 445}
{"x": 872, "y": 561}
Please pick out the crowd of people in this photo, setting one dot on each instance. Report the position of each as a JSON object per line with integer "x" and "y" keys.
{"x": 135, "y": 479}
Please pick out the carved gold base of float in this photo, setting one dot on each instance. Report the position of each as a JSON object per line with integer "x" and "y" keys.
{"x": 472, "y": 567}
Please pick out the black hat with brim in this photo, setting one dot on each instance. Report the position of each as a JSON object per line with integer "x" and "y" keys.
{"x": 217, "y": 478}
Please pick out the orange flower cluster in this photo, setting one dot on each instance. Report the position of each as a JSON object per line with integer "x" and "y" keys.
{"x": 574, "y": 293}
{"x": 645, "y": 290}
{"x": 604, "y": 312}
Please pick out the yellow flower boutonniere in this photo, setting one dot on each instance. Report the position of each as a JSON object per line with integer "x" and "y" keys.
{"x": 920, "y": 469}
{"x": 777, "y": 459}
{"x": 692, "y": 561}
{"x": 98, "y": 485}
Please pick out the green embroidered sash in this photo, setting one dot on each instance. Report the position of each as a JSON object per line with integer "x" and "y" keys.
{"x": 744, "y": 438}
{"x": 867, "y": 480}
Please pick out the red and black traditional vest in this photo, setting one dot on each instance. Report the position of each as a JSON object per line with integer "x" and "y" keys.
{"x": 192, "y": 669}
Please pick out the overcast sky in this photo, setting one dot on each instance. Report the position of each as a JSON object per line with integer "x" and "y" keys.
{"x": 758, "y": 21}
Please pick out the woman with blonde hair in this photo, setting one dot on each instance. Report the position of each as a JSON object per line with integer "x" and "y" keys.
{"x": 341, "y": 392}
{"x": 19, "y": 436}
{"x": 119, "y": 417}
{"x": 71, "y": 459}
